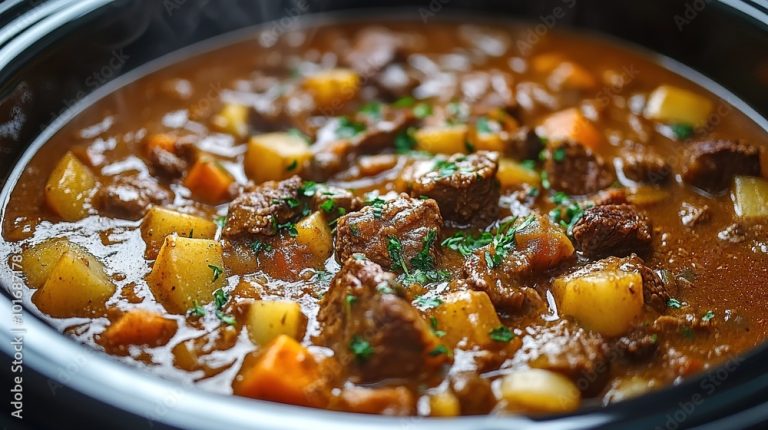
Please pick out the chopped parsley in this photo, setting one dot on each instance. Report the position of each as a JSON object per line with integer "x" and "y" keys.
{"x": 439, "y": 350}
{"x": 567, "y": 212}
{"x": 708, "y": 316}
{"x": 395, "y": 249}
{"x": 423, "y": 277}
{"x": 681, "y": 131}
{"x": 219, "y": 300}
{"x": 545, "y": 180}
{"x": 404, "y": 102}
{"x": 296, "y": 132}
{"x": 347, "y": 128}
{"x": 350, "y": 299}
{"x": 291, "y": 167}
{"x": 384, "y": 288}
{"x": 529, "y": 164}
{"x": 465, "y": 244}
{"x": 469, "y": 146}
{"x": 404, "y": 141}
{"x": 501, "y": 334}
{"x": 427, "y": 302}
{"x": 422, "y": 110}
{"x": 433, "y": 324}
{"x": 361, "y": 348}
{"x": 559, "y": 154}
{"x": 258, "y": 246}
{"x": 674, "y": 303}
{"x": 483, "y": 125}
{"x": 196, "y": 310}
{"x": 424, "y": 260}
{"x": 378, "y": 206}
{"x": 220, "y": 221}
{"x": 328, "y": 206}
{"x": 308, "y": 189}
{"x": 217, "y": 272}
{"x": 291, "y": 202}
{"x": 288, "y": 227}
{"x": 504, "y": 240}
{"x": 372, "y": 109}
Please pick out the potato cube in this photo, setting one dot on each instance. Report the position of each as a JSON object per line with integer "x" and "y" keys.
{"x": 160, "y": 222}
{"x": 608, "y": 300}
{"x": 314, "y": 233}
{"x": 267, "y": 320}
{"x": 76, "y": 287}
{"x": 449, "y": 139}
{"x": 750, "y": 197}
{"x": 571, "y": 125}
{"x": 512, "y": 173}
{"x": 539, "y": 391}
{"x": 444, "y": 404}
{"x": 140, "y": 327}
{"x": 275, "y": 156}
{"x": 332, "y": 89}
{"x": 70, "y": 188}
{"x": 187, "y": 271}
{"x": 675, "y": 105}
{"x": 209, "y": 181}
{"x": 233, "y": 119}
{"x": 38, "y": 261}
{"x": 467, "y": 318}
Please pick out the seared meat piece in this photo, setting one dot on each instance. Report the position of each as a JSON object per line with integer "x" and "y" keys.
{"x": 373, "y": 49}
{"x": 260, "y": 209}
{"x": 464, "y": 187}
{"x": 638, "y": 345}
{"x": 391, "y": 401}
{"x": 474, "y": 393}
{"x": 167, "y": 163}
{"x": 391, "y": 234}
{"x": 374, "y": 333}
{"x": 503, "y": 284}
{"x": 612, "y": 230}
{"x": 647, "y": 168}
{"x": 574, "y": 169}
{"x": 712, "y": 164}
{"x": 488, "y": 90}
{"x": 130, "y": 197}
{"x": 341, "y": 201}
{"x": 524, "y": 145}
{"x": 611, "y": 196}
{"x": 568, "y": 349}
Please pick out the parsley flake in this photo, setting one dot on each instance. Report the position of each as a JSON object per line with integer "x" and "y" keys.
{"x": 501, "y": 334}
{"x": 361, "y": 348}
{"x": 217, "y": 272}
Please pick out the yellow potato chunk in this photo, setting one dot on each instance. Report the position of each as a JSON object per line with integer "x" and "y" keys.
{"x": 674, "y": 105}
{"x": 750, "y": 197}
{"x": 512, "y": 173}
{"x": 187, "y": 271}
{"x": 444, "y": 404}
{"x": 314, "y": 233}
{"x": 467, "y": 318}
{"x": 608, "y": 299}
{"x": 266, "y": 320}
{"x": 233, "y": 119}
{"x": 275, "y": 156}
{"x": 449, "y": 139}
{"x": 159, "y": 223}
{"x": 332, "y": 89}
{"x": 539, "y": 391}
{"x": 38, "y": 261}
{"x": 70, "y": 188}
{"x": 76, "y": 287}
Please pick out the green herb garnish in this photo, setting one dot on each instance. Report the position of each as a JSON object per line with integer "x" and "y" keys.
{"x": 347, "y": 128}
{"x": 708, "y": 316}
{"x": 433, "y": 324}
{"x": 258, "y": 246}
{"x": 483, "y": 125}
{"x": 361, "y": 348}
{"x": 674, "y": 303}
{"x": 439, "y": 350}
{"x": 682, "y": 131}
{"x": 291, "y": 167}
{"x": 501, "y": 334}
{"x": 404, "y": 102}
{"x": 422, "y": 110}
{"x": 196, "y": 310}
{"x": 372, "y": 109}
{"x": 465, "y": 244}
{"x": 427, "y": 302}
{"x": 405, "y": 142}
{"x": 217, "y": 272}
{"x": 395, "y": 249}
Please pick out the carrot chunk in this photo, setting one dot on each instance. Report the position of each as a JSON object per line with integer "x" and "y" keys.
{"x": 571, "y": 125}
{"x": 209, "y": 181}
{"x": 140, "y": 327}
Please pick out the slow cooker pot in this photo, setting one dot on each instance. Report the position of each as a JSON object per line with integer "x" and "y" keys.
{"x": 57, "y": 56}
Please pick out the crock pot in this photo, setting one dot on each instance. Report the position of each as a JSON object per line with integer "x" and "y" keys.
{"x": 57, "y": 56}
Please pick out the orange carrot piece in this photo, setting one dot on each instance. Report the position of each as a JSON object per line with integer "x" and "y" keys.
{"x": 163, "y": 141}
{"x": 209, "y": 181}
{"x": 140, "y": 327}
{"x": 571, "y": 125}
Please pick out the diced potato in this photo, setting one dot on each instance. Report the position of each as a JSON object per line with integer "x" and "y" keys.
{"x": 76, "y": 287}
{"x": 314, "y": 233}
{"x": 467, "y": 318}
{"x": 332, "y": 89}
{"x": 186, "y": 271}
{"x": 275, "y": 156}
{"x": 487, "y": 141}
{"x": 209, "y": 181}
{"x": 647, "y": 196}
{"x": 140, "y": 327}
{"x": 444, "y": 404}
{"x": 545, "y": 244}
{"x": 38, "y": 261}
{"x": 448, "y": 139}
{"x": 284, "y": 371}
{"x": 539, "y": 391}
{"x": 750, "y": 197}
{"x": 159, "y": 223}
{"x": 70, "y": 188}
{"x": 571, "y": 125}
{"x": 267, "y": 320}
{"x": 232, "y": 119}
{"x": 608, "y": 300}
{"x": 512, "y": 173}
{"x": 675, "y": 105}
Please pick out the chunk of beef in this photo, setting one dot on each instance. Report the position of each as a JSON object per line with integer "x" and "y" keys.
{"x": 340, "y": 142}
{"x": 646, "y": 168}
{"x": 712, "y": 164}
{"x": 692, "y": 216}
{"x": 612, "y": 230}
{"x": 376, "y": 334}
{"x": 391, "y": 401}
{"x": 574, "y": 169}
{"x": 167, "y": 163}
{"x": 524, "y": 145}
{"x": 400, "y": 228}
{"x": 637, "y": 345}
{"x": 334, "y": 201}
{"x": 130, "y": 197}
{"x": 474, "y": 393}
{"x": 464, "y": 186}
{"x": 373, "y": 49}
{"x": 611, "y": 196}
{"x": 260, "y": 209}
{"x": 566, "y": 348}
{"x": 504, "y": 284}
{"x": 487, "y": 90}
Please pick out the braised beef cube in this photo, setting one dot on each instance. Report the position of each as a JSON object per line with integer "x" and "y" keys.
{"x": 502, "y": 282}
{"x": 474, "y": 393}
{"x": 524, "y": 145}
{"x": 374, "y": 333}
{"x": 712, "y": 164}
{"x": 391, "y": 401}
{"x": 566, "y": 348}
{"x": 261, "y": 209}
{"x": 617, "y": 230}
{"x": 391, "y": 234}
{"x": 575, "y": 169}
{"x": 647, "y": 168}
{"x": 464, "y": 186}
{"x": 611, "y": 196}
{"x": 130, "y": 197}
{"x": 167, "y": 163}
{"x": 334, "y": 201}
{"x": 488, "y": 90}
{"x": 638, "y": 345}
{"x": 372, "y": 50}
